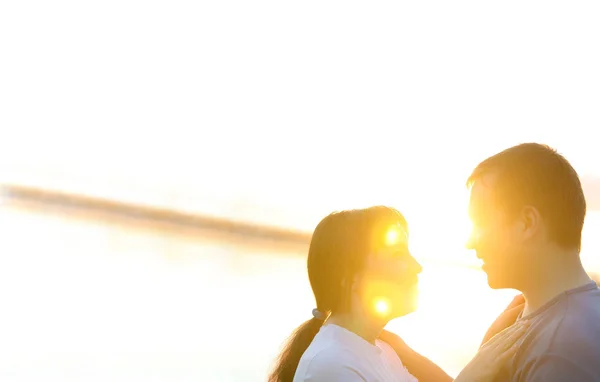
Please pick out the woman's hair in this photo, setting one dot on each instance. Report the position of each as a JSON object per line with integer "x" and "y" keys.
{"x": 338, "y": 249}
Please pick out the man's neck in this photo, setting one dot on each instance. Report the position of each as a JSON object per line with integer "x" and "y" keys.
{"x": 552, "y": 279}
{"x": 368, "y": 329}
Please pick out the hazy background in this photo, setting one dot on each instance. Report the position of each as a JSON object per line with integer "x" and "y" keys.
{"x": 272, "y": 114}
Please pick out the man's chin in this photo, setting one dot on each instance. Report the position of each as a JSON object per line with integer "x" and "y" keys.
{"x": 495, "y": 282}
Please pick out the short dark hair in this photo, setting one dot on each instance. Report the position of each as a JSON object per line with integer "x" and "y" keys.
{"x": 535, "y": 174}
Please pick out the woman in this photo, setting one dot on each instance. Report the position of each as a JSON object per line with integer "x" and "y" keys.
{"x": 362, "y": 275}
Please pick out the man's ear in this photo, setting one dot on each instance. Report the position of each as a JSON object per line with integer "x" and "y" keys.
{"x": 531, "y": 221}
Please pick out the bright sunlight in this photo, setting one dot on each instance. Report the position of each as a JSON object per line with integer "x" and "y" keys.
{"x": 381, "y": 306}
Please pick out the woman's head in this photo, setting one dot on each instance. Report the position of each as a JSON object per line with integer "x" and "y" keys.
{"x": 359, "y": 261}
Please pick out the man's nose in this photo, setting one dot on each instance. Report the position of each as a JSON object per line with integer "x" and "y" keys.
{"x": 472, "y": 239}
{"x": 470, "y": 244}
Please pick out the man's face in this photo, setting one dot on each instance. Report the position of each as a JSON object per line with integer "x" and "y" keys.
{"x": 495, "y": 237}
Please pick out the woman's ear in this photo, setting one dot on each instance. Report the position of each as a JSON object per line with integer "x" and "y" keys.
{"x": 354, "y": 287}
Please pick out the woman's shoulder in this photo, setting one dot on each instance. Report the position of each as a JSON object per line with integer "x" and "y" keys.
{"x": 332, "y": 363}
{"x": 384, "y": 346}
{"x": 328, "y": 356}
{"x": 333, "y": 346}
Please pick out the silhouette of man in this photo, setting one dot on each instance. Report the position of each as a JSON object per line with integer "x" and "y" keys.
{"x": 527, "y": 207}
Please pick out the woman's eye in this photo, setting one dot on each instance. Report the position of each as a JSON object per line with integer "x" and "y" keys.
{"x": 402, "y": 253}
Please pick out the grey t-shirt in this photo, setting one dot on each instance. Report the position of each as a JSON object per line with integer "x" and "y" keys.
{"x": 563, "y": 341}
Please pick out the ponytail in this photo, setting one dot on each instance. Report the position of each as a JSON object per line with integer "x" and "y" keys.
{"x": 295, "y": 346}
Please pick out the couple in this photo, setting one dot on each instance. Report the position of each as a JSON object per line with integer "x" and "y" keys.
{"x": 527, "y": 207}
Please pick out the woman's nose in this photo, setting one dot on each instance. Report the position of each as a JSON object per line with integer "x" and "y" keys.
{"x": 418, "y": 268}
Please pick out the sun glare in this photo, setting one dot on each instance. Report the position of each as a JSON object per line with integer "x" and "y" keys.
{"x": 442, "y": 238}
{"x": 392, "y": 236}
{"x": 382, "y": 306}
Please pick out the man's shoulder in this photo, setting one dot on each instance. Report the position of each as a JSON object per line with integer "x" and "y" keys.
{"x": 576, "y": 321}
{"x": 569, "y": 335}
{"x": 581, "y": 315}
{"x": 580, "y": 325}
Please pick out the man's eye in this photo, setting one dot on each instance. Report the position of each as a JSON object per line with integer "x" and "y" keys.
{"x": 477, "y": 222}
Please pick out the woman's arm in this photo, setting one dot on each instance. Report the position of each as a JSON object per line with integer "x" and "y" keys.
{"x": 419, "y": 366}
{"x": 484, "y": 367}
{"x": 427, "y": 371}
{"x": 492, "y": 356}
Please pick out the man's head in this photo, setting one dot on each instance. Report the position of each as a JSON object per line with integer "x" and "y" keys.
{"x": 526, "y": 201}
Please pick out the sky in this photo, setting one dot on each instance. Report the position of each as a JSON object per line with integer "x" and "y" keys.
{"x": 285, "y": 111}
{"x": 275, "y": 112}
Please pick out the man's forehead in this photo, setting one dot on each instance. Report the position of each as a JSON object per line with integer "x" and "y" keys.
{"x": 481, "y": 191}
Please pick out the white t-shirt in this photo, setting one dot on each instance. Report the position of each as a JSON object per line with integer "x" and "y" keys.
{"x": 339, "y": 355}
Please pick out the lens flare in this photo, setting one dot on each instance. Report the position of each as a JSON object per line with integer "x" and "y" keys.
{"x": 382, "y": 306}
{"x": 392, "y": 236}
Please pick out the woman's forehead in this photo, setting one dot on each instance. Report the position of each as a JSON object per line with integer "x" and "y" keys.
{"x": 396, "y": 235}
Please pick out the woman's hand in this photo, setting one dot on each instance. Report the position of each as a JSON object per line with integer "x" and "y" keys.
{"x": 507, "y": 318}
{"x": 416, "y": 364}
{"x": 493, "y": 355}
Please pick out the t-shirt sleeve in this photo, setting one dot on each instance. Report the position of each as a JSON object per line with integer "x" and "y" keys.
{"x": 557, "y": 368}
{"x": 330, "y": 367}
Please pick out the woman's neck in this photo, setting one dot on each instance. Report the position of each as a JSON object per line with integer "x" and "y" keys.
{"x": 368, "y": 329}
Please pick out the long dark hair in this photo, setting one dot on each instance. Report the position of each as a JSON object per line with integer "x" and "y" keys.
{"x": 338, "y": 249}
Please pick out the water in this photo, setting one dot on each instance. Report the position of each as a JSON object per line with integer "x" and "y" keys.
{"x": 84, "y": 300}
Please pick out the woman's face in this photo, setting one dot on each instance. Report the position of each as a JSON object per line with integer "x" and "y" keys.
{"x": 389, "y": 284}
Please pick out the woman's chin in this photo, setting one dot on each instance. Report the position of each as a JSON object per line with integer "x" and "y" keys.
{"x": 407, "y": 307}
{"x": 406, "y": 312}
{"x": 408, "y": 304}
{"x": 401, "y": 310}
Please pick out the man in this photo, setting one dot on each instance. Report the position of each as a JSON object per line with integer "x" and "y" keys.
{"x": 527, "y": 207}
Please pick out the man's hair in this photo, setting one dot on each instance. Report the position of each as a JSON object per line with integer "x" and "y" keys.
{"x": 536, "y": 175}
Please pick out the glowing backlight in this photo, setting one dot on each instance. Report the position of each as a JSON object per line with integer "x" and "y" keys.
{"x": 393, "y": 236}
{"x": 382, "y": 306}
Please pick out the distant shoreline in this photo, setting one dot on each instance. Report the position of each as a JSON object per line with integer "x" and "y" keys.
{"x": 199, "y": 226}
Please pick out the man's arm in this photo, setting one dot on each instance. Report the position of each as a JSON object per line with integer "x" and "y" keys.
{"x": 419, "y": 366}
